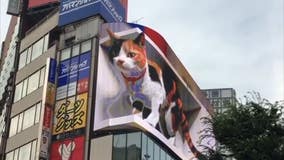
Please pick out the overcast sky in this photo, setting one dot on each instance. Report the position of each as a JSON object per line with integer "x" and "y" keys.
{"x": 223, "y": 43}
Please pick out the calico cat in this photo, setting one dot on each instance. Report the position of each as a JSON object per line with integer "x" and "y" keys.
{"x": 144, "y": 90}
{"x": 174, "y": 122}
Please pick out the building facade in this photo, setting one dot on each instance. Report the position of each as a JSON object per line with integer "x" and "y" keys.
{"x": 221, "y": 98}
{"x": 70, "y": 102}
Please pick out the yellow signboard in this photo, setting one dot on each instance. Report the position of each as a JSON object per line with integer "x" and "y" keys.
{"x": 70, "y": 114}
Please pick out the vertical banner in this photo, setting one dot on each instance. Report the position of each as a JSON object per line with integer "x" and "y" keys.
{"x": 48, "y": 101}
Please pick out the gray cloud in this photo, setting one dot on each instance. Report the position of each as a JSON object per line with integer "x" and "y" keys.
{"x": 223, "y": 43}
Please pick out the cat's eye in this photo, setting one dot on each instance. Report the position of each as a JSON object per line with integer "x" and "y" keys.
{"x": 131, "y": 54}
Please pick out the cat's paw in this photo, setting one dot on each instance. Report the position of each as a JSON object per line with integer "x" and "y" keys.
{"x": 152, "y": 121}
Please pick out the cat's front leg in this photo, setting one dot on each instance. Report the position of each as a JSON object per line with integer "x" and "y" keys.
{"x": 153, "y": 117}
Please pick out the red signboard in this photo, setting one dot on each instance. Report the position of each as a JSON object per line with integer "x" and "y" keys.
{"x": 68, "y": 149}
{"x": 38, "y": 3}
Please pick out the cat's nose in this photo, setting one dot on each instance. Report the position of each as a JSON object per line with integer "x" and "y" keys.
{"x": 119, "y": 62}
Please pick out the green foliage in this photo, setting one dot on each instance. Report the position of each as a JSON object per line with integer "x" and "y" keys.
{"x": 250, "y": 131}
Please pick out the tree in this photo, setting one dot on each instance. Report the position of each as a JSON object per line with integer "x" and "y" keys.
{"x": 253, "y": 130}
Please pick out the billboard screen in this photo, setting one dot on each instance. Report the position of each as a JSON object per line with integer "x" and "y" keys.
{"x": 74, "y": 10}
{"x": 38, "y": 3}
{"x": 136, "y": 78}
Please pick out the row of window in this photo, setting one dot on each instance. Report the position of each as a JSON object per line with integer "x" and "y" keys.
{"x": 137, "y": 146}
{"x": 25, "y": 119}
{"x": 76, "y": 50}
{"x": 30, "y": 84}
{"x": 33, "y": 51}
{"x": 25, "y": 152}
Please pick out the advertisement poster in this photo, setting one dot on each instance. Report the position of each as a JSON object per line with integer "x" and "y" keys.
{"x": 136, "y": 78}
{"x": 70, "y": 114}
{"x": 73, "y": 76}
{"x": 68, "y": 149}
{"x": 74, "y": 10}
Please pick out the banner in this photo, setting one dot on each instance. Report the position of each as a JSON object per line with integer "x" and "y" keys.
{"x": 47, "y": 107}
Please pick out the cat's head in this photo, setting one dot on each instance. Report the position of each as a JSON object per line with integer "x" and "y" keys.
{"x": 128, "y": 55}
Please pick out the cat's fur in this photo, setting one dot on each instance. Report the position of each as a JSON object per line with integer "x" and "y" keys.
{"x": 143, "y": 93}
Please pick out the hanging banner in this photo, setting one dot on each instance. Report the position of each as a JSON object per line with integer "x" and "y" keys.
{"x": 48, "y": 102}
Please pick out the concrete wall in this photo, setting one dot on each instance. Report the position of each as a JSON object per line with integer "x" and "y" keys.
{"x": 101, "y": 148}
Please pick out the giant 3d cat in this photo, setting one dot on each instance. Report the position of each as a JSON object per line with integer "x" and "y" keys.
{"x": 144, "y": 91}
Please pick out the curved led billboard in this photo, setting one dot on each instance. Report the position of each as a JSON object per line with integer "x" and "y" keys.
{"x": 135, "y": 77}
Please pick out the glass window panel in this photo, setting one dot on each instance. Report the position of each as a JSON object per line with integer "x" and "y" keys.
{"x": 16, "y": 154}
{"x": 150, "y": 149}
{"x": 46, "y": 40}
{"x": 33, "y": 82}
{"x": 33, "y": 150}
{"x": 25, "y": 85}
{"x": 13, "y": 126}
{"x": 20, "y": 123}
{"x": 119, "y": 147}
{"x": 86, "y": 46}
{"x": 42, "y": 75}
{"x": 29, "y": 118}
{"x": 75, "y": 50}
{"x": 144, "y": 146}
{"x": 134, "y": 146}
{"x": 29, "y": 55}
{"x": 65, "y": 54}
{"x": 156, "y": 152}
{"x": 9, "y": 156}
{"x": 37, "y": 49}
{"x": 18, "y": 92}
{"x": 25, "y": 152}
{"x": 23, "y": 59}
{"x": 38, "y": 109}
{"x": 163, "y": 154}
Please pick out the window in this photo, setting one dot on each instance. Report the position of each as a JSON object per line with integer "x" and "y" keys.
{"x": 119, "y": 143}
{"x": 38, "y": 112}
{"x": 46, "y": 42}
{"x": 23, "y": 59}
{"x": 37, "y": 49}
{"x": 18, "y": 92}
{"x": 156, "y": 151}
{"x": 9, "y": 156}
{"x": 133, "y": 146}
{"x": 29, "y": 55}
{"x": 20, "y": 124}
{"x": 25, "y": 119}
{"x": 75, "y": 50}
{"x": 25, "y": 151}
{"x": 25, "y": 85}
{"x": 33, "y": 82}
{"x": 13, "y": 126}
{"x": 65, "y": 54}
{"x": 42, "y": 75}
{"x": 29, "y": 117}
{"x": 215, "y": 94}
{"x": 16, "y": 154}
{"x": 86, "y": 46}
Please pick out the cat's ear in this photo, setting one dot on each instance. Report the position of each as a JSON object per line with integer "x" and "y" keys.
{"x": 140, "y": 40}
{"x": 112, "y": 38}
